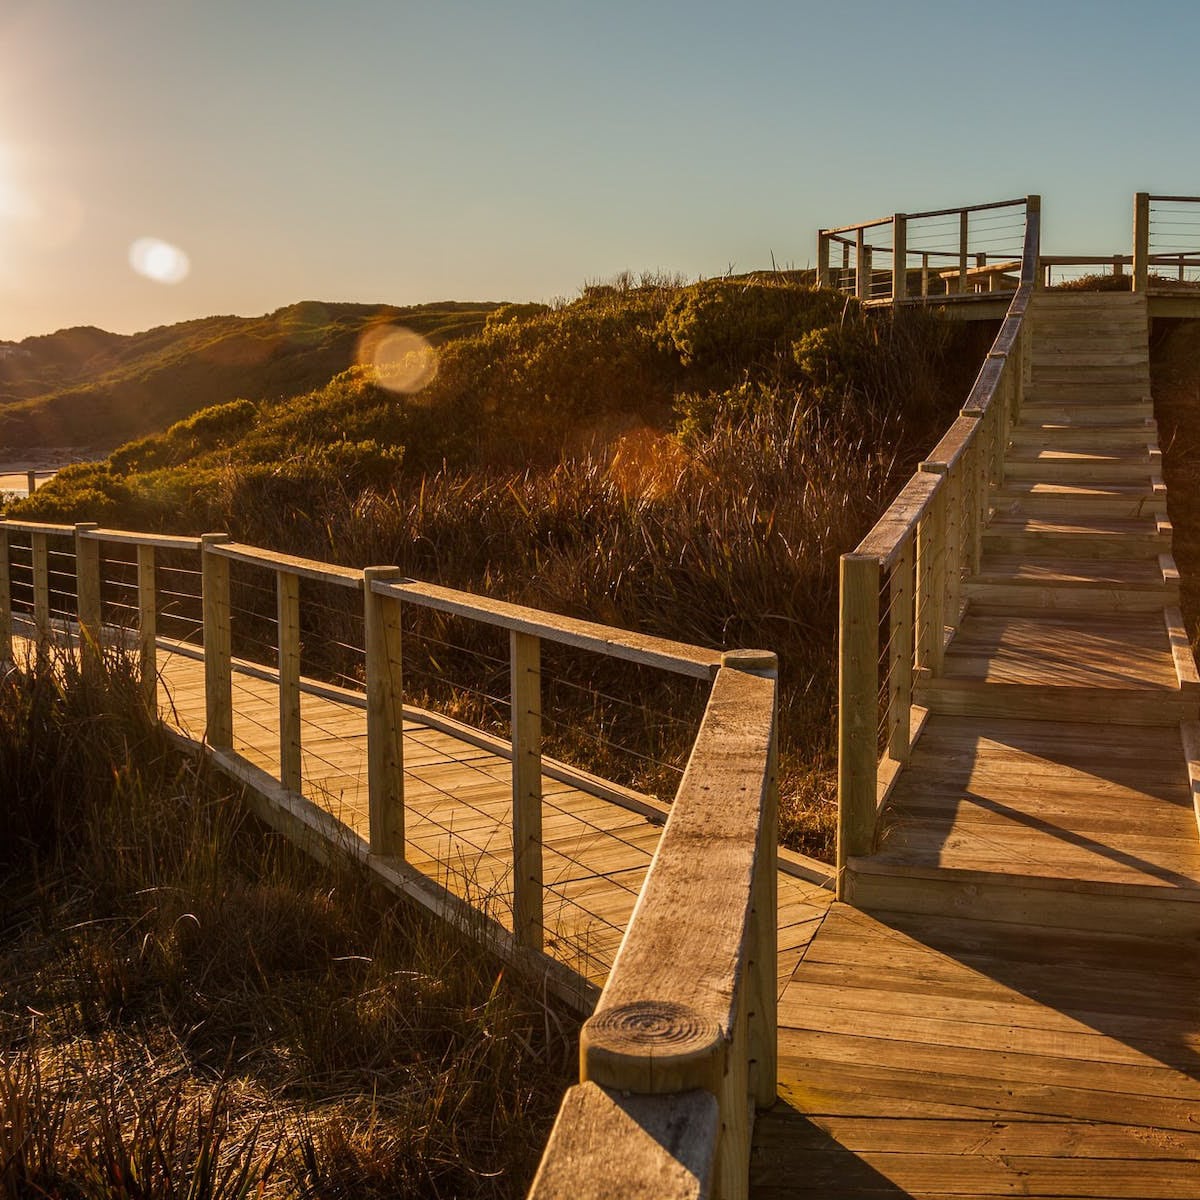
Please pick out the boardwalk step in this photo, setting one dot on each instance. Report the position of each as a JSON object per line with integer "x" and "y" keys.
{"x": 881, "y": 885}
{"x": 1056, "y": 583}
{"x": 1083, "y": 467}
{"x": 1086, "y": 407}
{"x": 1084, "y": 438}
{"x": 1037, "y": 499}
{"x": 1083, "y": 535}
{"x": 1048, "y": 702}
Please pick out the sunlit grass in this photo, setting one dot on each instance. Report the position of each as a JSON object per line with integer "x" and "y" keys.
{"x": 190, "y": 1008}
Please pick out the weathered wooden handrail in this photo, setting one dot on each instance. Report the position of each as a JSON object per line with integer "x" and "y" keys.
{"x": 682, "y": 1042}
{"x": 902, "y": 587}
{"x": 663, "y": 653}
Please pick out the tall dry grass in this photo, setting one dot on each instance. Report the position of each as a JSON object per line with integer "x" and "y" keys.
{"x": 190, "y": 1008}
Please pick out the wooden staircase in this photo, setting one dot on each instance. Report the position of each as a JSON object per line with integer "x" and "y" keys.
{"x": 1050, "y": 785}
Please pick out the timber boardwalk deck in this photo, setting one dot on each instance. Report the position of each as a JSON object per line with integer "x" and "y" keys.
{"x": 458, "y": 799}
{"x": 1012, "y": 1006}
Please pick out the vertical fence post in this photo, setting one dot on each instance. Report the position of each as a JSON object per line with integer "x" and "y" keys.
{"x": 862, "y": 266}
{"x": 1033, "y": 212}
{"x": 964, "y": 238}
{"x": 931, "y": 574}
{"x": 6, "y": 622}
{"x": 901, "y": 619}
{"x": 762, "y": 999}
{"x": 87, "y": 592}
{"x": 218, "y": 643}
{"x": 30, "y": 482}
{"x": 385, "y": 714}
{"x": 953, "y": 541}
{"x": 899, "y": 257}
{"x": 1141, "y": 241}
{"x": 526, "y": 667}
{"x": 148, "y": 623}
{"x": 41, "y": 587}
{"x": 822, "y": 259}
{"x": 287, "y": 612}
{"x": 858, "y": 708}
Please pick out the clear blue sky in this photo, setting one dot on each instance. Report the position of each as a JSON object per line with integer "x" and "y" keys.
{"x": 384, "y": 150}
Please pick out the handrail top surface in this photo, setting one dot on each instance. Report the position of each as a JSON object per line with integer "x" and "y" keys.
{"x": 165, "y": 541}
{"x": 686, "y": 942}
{"x": 309, "y": 568}
{"x": 680, "y": 657}
{"x": 885, "y": 538}
{"x": 38, "y": 527}
{"x": 919, "y": 216}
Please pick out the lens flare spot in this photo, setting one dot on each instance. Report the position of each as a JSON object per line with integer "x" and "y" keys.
{"x": 400, "y": 359}
{"x": 646, "y": 464}
{"x": 159, "y": 260}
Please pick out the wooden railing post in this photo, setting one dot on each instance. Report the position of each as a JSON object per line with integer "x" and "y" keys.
{"x": 87, "y": 591}
{"x": 925, "y": 273}
{"x": 6, "y": 621}
{"x": 762, "y": 1000}
{"x": 822, "y": 259}
{"x": 931, "y": 579}
{"x": 148, "y": 623}
{"x": 287, "y": 610}
{"x": 1033, "y": 213}
{"x": 901, "y": 629}
{"x": 953, "y": 533}
{"x": 30, "y": 482}
{"x": 862, "y": 266}
{"x": 858, "y": 708}
{"x": 526, "y": 672}
{"x": 1141, "y": 241}
{"x": 385, "y": 714}
{"x": 899, "y": 257}
{"x": 218, "y": 643}
{"x": 40, "y": 555}
{"x": 964, "y": 229}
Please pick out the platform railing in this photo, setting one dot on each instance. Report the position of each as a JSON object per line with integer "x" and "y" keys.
{"x": 939, "y": 253}
{"x": 902, "y": 586}
{"x": 1166, "y": 241}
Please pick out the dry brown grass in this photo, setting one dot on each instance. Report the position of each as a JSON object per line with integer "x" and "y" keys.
{"x": 189, "y": 1007}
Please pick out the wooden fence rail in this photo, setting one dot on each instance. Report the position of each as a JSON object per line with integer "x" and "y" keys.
{"x": 901, "y": 588}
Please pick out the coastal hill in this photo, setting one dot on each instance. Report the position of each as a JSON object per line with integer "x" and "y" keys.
{"x": 85, "y": 387}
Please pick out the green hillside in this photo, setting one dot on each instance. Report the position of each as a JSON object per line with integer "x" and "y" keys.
{"x": 86, "y": 387}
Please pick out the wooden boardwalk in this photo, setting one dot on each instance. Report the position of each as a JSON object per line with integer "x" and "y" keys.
{"x": 1012, "y": 1006}
{"x": 458, "y": 804}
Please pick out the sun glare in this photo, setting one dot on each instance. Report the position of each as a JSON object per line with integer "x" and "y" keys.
{"x": 403, "y": 361}
{"x": 159, "y": 260}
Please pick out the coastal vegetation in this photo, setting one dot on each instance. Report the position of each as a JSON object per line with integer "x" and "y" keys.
{"x": 190, "y": 1007}
{"x": 685, "y": 460}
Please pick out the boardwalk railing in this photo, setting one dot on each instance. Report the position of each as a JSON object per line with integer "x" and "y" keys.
{"x": 943, "y": 252}
{"x": 1166, "y": 240}
{"x": 682, "y": 1042}
{"x": 902, "y": 587}
{"x": 1166, "y": 249}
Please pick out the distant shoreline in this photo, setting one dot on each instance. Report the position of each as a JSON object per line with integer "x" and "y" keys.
{"x": 47, "y": 461}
